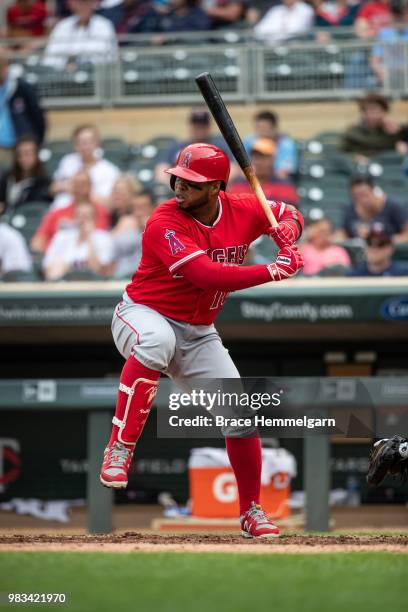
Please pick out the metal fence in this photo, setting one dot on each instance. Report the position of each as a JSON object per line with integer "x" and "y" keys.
{"x": 244, "y": 69}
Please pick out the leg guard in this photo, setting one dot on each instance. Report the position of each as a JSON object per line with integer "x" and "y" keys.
{"x": 140, "y": 397}
{"x": 137, "y": 389}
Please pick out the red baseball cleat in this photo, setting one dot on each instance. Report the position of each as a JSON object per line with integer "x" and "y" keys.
{"x": 116, "y": 462}
{"x": 255, "y": 524}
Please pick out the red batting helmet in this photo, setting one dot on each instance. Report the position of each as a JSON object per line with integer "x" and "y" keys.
{"x": 200, "y": 163}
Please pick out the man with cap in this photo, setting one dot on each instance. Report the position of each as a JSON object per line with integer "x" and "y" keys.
{"x": 192, "y": 253}
{"x": 379, "y": 251}
{"x": 263, "y": 152}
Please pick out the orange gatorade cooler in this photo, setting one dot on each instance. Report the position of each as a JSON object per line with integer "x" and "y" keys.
{"x": 213, "y": 489}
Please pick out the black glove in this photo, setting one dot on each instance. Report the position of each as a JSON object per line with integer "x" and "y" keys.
{"x": 388, "y": 456}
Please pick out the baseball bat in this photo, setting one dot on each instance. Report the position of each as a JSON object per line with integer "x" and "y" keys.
{"x": 227, "y": 128}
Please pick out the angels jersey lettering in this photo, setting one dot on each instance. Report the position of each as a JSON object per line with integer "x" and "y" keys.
{"x": 173, "y": 237}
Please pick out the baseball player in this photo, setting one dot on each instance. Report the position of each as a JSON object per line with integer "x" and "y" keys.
{"x": 193, "y": 247}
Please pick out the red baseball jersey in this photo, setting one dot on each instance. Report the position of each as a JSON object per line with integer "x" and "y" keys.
{"x": 173, "y": 237}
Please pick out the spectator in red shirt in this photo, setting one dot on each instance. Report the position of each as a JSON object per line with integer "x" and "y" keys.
{"x": 63, "y": 217}
{"x": 371, "y": 17}
{"x": 26, "y": 18}
{"x": 262, "y": 155}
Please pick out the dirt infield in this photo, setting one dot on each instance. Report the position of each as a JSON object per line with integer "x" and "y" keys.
{"x": 142, "y": 542}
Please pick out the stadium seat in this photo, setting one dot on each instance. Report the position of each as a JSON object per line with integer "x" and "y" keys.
{"x": 331, "y": 138}
{"x": 401, "y": 252}
{"x": 321, "y": 173}
{"x": 28, "y": 217}
{"x": 333, "y": 271}
{"x": 263, "y": 251}
{"x": 143, "y": 170}
{"x": 324, "y": 194}
{"x": 51, "y": 158}
{"x": 152, "y": 149}
{"x": 18, "y": 276}
{"x": 355, "y": 250}
{"x": 160, "y": 192}
{"x": 82, "y": 275}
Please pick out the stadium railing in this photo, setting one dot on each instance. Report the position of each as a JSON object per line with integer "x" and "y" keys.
{"x": 245, "y": 69}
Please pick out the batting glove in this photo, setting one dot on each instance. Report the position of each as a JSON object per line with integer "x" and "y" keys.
{"x": 284, "y": 234}
{"x": 288, "y": 263}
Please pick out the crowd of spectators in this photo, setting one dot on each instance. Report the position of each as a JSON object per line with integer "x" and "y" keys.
{"x": 88, "y": 32}
{"x": 95, "y": 214}
{"x": 79, "y": 26}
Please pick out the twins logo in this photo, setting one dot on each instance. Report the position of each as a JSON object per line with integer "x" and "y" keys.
{"x": 175, "y": 245}
{"x": 10, "y": 462}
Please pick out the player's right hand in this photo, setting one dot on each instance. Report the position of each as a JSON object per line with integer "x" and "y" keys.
{"x": 288, "y": 263}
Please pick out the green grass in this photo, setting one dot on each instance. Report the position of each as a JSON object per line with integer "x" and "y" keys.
{"x": 207, "y": 582}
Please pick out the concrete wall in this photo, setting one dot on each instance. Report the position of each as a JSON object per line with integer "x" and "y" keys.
{"x": 139, "y": 124}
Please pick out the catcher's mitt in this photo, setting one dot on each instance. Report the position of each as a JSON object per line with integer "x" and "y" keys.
{"x": 388, "y": 456}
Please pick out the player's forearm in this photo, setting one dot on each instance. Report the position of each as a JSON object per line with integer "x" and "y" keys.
{"x": 207, "y": 275}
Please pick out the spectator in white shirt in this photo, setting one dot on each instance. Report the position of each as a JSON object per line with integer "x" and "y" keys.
{"x": 14, "y": 254}
{"x": 136, "y": 207}
{"x": 82, "y": 38}
{"x": 87, "y": 156}
{"x": 291, "y": 18}
{"x": 80, "y": 247}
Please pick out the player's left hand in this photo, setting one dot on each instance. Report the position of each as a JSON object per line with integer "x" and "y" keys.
{"x": 283, "y": 235}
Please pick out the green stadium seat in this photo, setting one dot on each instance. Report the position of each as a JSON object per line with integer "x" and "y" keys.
{"x": 330, "y": 138}
{"x": 17, "y": 276}
{"x": 388, "y": 158}
{"x": 355, "y": 249}
{"x": 263, "y": 251}
{"x": 322, "y": 194}
{"x": 28, "y": 217}
{"x": 52, "y": 157}
{"x": 59, "y": 146}
{"x": 337, "y": 270}
{"x": 401, "y": 252}
{"x": 82, "y": 275}
{"x": 160, "y": 192}
{"x": 143, "y": 170}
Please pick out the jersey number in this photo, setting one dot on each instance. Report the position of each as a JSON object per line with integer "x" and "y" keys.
{"x": 219, "y": 299}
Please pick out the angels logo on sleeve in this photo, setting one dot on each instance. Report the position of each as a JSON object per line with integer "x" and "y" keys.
{"x": 175, "y": 244}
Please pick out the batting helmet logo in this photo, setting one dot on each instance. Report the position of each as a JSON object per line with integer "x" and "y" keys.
{"x": 186, "y": 159}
